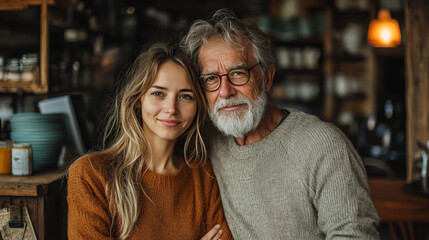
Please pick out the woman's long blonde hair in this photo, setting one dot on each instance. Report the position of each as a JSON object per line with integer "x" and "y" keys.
{"x": 129, "y": 152}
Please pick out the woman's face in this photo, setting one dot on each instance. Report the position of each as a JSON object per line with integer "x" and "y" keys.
{"x": 169, "y": 106}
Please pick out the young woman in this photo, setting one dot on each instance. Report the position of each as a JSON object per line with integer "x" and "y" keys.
{"x": 147, "y": 184}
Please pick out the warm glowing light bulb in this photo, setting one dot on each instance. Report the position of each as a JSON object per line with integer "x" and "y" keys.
{"x": 384, "y": 31}
{"x": 385, "y": 35}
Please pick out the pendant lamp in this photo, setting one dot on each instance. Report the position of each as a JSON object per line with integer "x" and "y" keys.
{"x": 384, "y": 31}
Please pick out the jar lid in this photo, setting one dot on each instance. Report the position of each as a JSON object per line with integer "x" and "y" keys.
{"x": 5, "y": 144}
{"x": 22, "y": 145}
{"x": 30, "y": 55}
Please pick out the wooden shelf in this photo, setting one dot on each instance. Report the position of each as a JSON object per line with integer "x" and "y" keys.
{"x": 33, "y": 85}
{"x": 302, "y": 71}
{"x": 314, "y": 102}
{"x": 352, "y": 97}
{"x": 350, "y": 58}
{"x": 40, "y": 85}
{"x": 25, "y": 2}
{"x": 32, "y": 186}
{"x": 390, "y": 52}
{"x": 363, "y": 13}
{"x": 312, "y": 40}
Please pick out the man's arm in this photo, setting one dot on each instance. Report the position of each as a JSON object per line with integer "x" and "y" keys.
{"x": 342, "y": 196}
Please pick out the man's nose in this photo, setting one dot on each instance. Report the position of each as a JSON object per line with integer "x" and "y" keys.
{"x": 226, "y": 89}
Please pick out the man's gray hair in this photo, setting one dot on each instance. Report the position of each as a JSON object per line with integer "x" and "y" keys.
{"x": 225, "y": 25}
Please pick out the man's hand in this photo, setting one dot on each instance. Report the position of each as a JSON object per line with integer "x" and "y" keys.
{"x": 214, "y": 234}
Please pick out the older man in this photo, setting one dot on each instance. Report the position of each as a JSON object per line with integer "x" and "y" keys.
{"x": 283, "y": 174}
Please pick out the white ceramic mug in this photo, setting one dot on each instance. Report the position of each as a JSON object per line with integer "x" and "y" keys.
{"x": 311, "y": 57}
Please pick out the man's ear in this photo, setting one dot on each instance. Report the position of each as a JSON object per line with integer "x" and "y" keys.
{"x": 269, "y": 78}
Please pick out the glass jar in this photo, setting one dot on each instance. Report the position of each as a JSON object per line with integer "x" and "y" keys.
{"x": 5, "y": 157}
{"x": 12, "y": 71}
{"x": 28, "y": 64}
{"x": 22, "y": 159}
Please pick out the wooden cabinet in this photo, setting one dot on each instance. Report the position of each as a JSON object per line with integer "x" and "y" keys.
{"x": 39, "y": 82}
{"x": 44, "y": 196}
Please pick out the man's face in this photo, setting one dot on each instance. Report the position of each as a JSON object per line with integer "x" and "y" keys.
{"x": 232, "y": 108}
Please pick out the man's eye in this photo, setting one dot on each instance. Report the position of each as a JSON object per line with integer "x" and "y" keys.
{"x": 238, "y": 73}
{"x": 211, "y": 78}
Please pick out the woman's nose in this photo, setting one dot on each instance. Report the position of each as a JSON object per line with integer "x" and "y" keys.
{"x": 170, "y": 106}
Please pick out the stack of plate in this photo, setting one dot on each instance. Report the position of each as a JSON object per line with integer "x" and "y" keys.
{"x": 46, "y": 134}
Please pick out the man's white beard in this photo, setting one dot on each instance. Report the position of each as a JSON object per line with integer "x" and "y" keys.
{"x": 240, "y": 122}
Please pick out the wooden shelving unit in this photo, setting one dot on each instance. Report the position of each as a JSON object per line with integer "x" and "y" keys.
{"x": 39, "y": 84}
{"x": 357, "y": 66}
{"x": 312, "y": 78}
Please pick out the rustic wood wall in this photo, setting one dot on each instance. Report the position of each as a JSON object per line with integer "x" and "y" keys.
{"x": 417, "y": 65}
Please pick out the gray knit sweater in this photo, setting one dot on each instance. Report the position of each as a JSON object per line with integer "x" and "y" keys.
{"x": 303, "y": 181}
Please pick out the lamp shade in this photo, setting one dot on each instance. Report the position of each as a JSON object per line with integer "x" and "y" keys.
{"x": 384, "y": 31}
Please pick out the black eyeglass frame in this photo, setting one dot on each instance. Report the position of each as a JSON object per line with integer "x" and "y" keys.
{"x": 227, "y": 77}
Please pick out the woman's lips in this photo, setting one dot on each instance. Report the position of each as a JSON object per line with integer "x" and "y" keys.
{"x": 169, "y": 123}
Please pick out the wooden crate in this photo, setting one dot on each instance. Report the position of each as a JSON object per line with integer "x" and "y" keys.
{"x": 44, "y": 195}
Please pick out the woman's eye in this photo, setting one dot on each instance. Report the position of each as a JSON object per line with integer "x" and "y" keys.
{"x": 157, "y": 94}
{"x": 186, "y": 97}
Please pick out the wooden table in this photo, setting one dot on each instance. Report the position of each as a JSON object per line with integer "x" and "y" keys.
{"x": 400, "y": 210}
{"x": 44, "y": 196}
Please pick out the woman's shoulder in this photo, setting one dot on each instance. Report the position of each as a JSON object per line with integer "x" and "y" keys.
{"x": 87, "y": 179}
{"x": 92, "y": 165}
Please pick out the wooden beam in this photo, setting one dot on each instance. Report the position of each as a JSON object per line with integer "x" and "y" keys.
{"x": 25, "y": 2}
{"x": 12, "y": 7}
{"x": 44, "y": 46}
{"x": 328, "y": 68}
{"x": 417, "y": 82}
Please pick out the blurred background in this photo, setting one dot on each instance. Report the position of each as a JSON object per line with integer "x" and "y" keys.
{"x": 324, "y": 64}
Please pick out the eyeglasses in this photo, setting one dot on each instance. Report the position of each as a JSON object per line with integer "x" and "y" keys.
{"x": 236, "y": 77}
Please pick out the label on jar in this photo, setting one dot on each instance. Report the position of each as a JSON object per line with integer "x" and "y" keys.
{"x": 21, "y": 161}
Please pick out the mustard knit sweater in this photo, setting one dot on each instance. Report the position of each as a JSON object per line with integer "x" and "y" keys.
{"x": 183, "y": 206}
